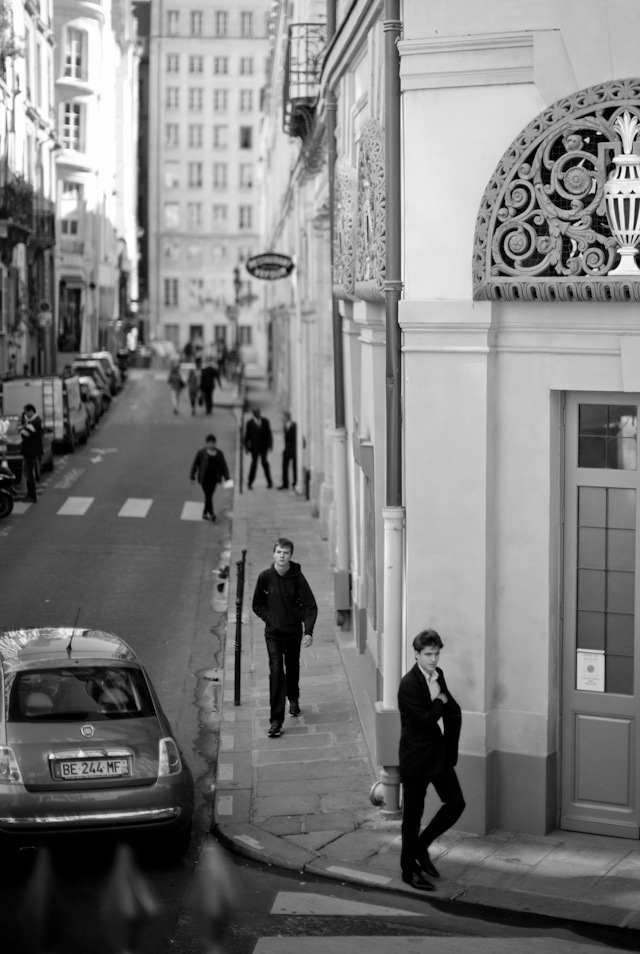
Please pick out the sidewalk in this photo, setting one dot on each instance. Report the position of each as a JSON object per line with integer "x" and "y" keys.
{"x": 302, "y": 801}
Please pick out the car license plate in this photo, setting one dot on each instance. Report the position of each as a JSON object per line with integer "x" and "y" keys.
{"x": 70, "y": 769}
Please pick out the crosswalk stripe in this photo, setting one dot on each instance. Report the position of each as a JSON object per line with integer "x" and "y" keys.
{"x": 75, "y": 506}
{"x": 135, "y": 507}
{"x": 295, "y": 902}
{"x": 191, "y": 511}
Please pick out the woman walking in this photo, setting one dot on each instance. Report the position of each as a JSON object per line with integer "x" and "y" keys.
{"x": 176, "y": 384}
{"x": 210, "y": 468}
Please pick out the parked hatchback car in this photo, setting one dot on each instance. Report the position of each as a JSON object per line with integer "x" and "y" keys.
{"x": 111, "y": 371}
{"x": 93, "y": 368}
{"x": 84, "y": 743}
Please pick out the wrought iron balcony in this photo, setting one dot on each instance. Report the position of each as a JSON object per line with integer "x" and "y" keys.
{"x": 306, "y": 44}
{"x": 44, "y": 228}
{"x": 16, "y": 205}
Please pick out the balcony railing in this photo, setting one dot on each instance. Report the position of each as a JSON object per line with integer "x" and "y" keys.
{"x": 16, "y": 204}
{"x": 44, "y": 228}
{"x": 72, "y": 246}
{"x": 306, "y": 45}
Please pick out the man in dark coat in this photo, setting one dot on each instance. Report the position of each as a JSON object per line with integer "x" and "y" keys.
{"x": 427, "y": 756}
{"x": 31, "y": 449}
{"x": 210, "y": 468}
{"x": 283, "y": 599}
{"x": 289, "y": 454}
{"x": 258, "y": 441}
{"x": 208, "y": 377}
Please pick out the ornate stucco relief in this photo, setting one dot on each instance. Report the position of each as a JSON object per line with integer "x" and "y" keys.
{"x": 371, "y": 235}
{"x": 344, "y": 242}
{"x": 542, "y": 232}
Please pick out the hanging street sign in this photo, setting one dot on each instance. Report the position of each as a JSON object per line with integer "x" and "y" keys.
{"x": 270, "y": 266}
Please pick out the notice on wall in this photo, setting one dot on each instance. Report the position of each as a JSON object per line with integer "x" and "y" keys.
{"x": 590, "y": 670}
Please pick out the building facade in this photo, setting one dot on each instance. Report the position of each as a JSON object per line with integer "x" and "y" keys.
{"x": 27, "y": 188}
{"x": 495, "y": 237}
{"x": 207, "y": 70}
{"x": 96, "y": 83}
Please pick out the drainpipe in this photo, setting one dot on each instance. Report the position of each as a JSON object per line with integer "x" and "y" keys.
{"x": 341, "y": 573}
{"x": 387, "y": 791}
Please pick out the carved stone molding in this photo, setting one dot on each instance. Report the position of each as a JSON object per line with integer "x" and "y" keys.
{"x": 371, "y": 230}
{"x": 542, "y": 232}
{"x": 344, "y": 240}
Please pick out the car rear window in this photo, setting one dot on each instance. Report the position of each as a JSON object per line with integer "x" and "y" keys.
{"x": 90, "y": 692}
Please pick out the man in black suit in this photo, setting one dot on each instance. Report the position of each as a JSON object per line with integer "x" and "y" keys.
{"x": 258, "y": 441}
{"x": 289, "y": 454}
{"x": 427, "y": 756}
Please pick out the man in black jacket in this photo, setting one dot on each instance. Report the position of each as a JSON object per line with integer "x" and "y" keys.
{"x": 210, "y": 468}
{"x": 283, "y": 599}
{"x": 427, "y": 756}
{"x": 258, "y": 441}
{"x": 290, "y": 452}
{"x": 31, "y": 449}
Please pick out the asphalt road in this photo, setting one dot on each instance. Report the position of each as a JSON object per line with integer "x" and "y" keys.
{"x": 149, "y": 578}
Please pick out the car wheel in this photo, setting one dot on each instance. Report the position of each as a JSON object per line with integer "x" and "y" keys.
{"x": 6, "y": 505}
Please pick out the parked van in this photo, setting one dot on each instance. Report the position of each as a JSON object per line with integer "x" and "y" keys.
{"x": 58, "y": 402}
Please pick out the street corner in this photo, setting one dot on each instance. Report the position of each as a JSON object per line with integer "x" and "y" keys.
{"x": 260, "y": 845}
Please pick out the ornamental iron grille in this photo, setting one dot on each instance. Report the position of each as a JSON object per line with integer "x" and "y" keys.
{"x": 371, "y": 228}
{"x": 344, "y": 239}
{"x": 542, "y": 232}
{"x": 306, "y": 44}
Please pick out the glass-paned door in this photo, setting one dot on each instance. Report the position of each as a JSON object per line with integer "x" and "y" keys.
{"x": 600, "y": 679}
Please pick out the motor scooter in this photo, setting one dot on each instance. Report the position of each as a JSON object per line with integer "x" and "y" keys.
{"x": 7, "y": 490}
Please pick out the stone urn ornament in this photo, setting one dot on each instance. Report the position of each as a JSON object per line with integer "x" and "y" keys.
{"x": 622, "y": 195}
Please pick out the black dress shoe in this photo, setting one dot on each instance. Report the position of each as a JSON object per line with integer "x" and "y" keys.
{"x": 416, "y": 880}
{"x": 427, "y": 866}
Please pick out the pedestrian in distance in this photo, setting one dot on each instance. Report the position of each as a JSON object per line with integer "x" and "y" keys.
{"x": 258, "y": 441}
{"x": 284, "y": 601}
{"x": 427, "y": 757}
{"x": 176, "y": 383}
{"x": 193, "y": 386}
{"x": 30, "y": 431}
{"x": 290, "y": 452}
{"x": 209, "y": 468}
{"x": 208, "y": 379}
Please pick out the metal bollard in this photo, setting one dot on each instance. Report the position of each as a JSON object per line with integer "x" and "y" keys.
{"x": 240, "y": 565}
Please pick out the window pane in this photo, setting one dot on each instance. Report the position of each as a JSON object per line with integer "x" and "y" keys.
{"x": 619, "y": 634}
{"x": 620, "y": 598}
{"x": 622, "y": 509}
{"x": 592, "y": 452}
{"x": 592, "y": 507}
{"x": 618, "y": 676}
{"x": 591, "y": 590}
{"x": 621, "y": 550}
{"x": 590, "y": 631}
{"x": 593, "y": 419}
{"x": 591, "y": 548}
{"x": 621, "y": 454}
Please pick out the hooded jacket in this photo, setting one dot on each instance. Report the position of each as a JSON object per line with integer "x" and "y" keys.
{"x": 285, "y": 603}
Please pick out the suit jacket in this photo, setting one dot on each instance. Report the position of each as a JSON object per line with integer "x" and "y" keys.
{"x": 290, "y": 437}
{"x": 217, "y": 466}
{"x": 258, "y": 437}
{"x": 424, "y": 750}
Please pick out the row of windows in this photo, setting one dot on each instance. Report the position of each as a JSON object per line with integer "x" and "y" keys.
{"x": 195, "y": 216}
{"x": 220, "y": 138}
{"x": 195, "y": 98}
{"x": 199, "y": 253}
{"x": 172, "y": 332}
{"x": 218, "y": 22}
{"x": 196, "y": 175}
{"x": 196, "y": 64}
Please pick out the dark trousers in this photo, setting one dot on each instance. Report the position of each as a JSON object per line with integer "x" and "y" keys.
{"x": 289, "y": 456}
{"x": 262, "y": 457}
{"x": 208, "y": 400}
{"x": 29, "y": 471}
{"x": 208, "y": 487}
{"x": 284, "y": 673}
{"x": 414, "y": 791}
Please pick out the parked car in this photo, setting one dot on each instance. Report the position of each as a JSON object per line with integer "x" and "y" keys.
{"x": 111, "y": 371}
{"x": 84, "y": 743}
{"x": 93, "y": 368}
{"x": 11, "y": 442}
{"x": 93, "y": 394}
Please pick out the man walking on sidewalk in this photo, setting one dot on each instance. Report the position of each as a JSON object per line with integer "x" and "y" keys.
{"x": 258, "y": 441}
{"x": 427, "y": 756}
{"x": 283, "y": 599}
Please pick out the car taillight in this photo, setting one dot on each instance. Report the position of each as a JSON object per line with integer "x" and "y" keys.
{"x": 169, "y": 762}
{"x": 9, "y": 769}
